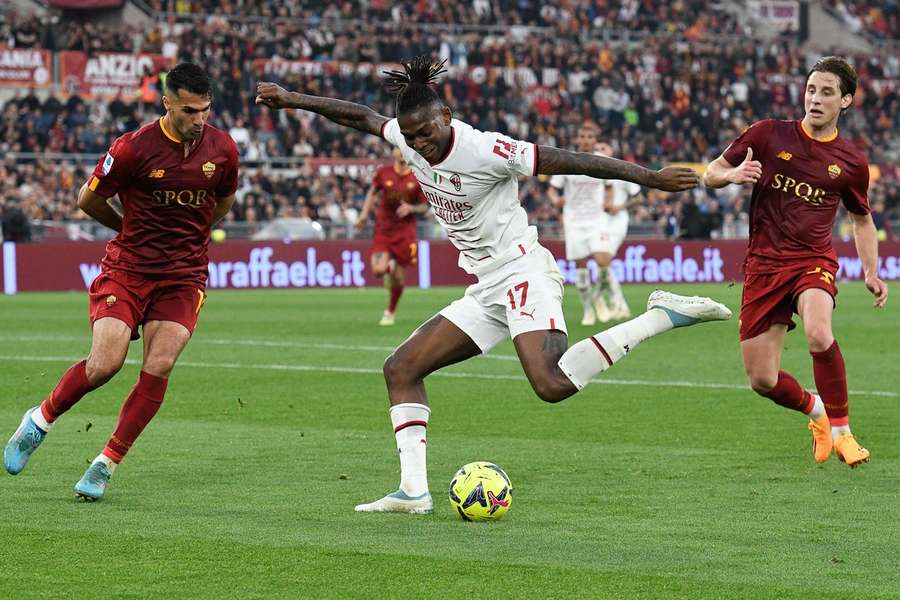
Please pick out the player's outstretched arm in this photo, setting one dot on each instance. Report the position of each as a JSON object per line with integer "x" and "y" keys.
{"x": 720, "y": 172}
{"x": 553, "y": 161}
{"x": 345, "y": 113}
{"x": 866, "y": 237}
{"x": 97, "y": 207}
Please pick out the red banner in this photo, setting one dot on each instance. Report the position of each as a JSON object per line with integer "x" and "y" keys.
{"x": 345, "y": 264}
{"x": 25, "y": 67}
{"x": 105, "y": 75}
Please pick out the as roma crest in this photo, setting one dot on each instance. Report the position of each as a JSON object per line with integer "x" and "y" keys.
{"x": 834, "y": 171}
{"x": 208, "y": 169}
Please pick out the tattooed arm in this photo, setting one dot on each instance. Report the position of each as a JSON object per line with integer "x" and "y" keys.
{"x": 348, "y": 114}
{"x": 553, "y": 161}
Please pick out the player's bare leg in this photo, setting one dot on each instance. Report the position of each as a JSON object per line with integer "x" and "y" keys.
{"x": 583, "y": 285}
{"x": 109, "y": 346}
{"x": 762, "y": 363}
{"x": 590, "y": 357}
{"x": 163, "y": 343}
{"x": 381, "y": 267}
{"x": 436, "y": 344}
{"x": 815, "y": 307}
{"x": 618, "y": 307}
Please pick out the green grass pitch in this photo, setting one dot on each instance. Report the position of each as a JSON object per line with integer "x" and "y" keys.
{"x": 668, "y": 480}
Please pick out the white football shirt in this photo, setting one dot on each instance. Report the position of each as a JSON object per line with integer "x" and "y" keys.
{"x": 584, "y": 198}
{"x": 474, "y": 193}
{"x": 621, "y": 192}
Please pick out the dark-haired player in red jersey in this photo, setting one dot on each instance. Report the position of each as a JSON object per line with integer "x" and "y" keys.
{"x": 401, "y": 199}
{"x": 175, "y": 178}
{"x": 801, "y": 171}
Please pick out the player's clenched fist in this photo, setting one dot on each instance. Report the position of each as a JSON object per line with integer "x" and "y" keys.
{"x": 749, "y": 171}
{"x": 675, "y": 179}
{"x": 272, "y": 95}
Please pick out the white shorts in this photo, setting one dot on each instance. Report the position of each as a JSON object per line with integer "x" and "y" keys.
{"x": 582, "y": 241}
{"x": 521, "y": 296}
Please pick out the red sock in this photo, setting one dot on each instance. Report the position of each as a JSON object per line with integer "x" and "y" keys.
{"x": 790, "y": 394}
{"x": 396, "y": 292}
{"x": 72, "y": 387}
{"x": 831, "y": 381}
{"x": 144, "y": 400}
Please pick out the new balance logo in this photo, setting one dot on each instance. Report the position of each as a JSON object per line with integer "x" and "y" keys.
{"x": 785, "y": 155}
{"x": 529, "y": 315}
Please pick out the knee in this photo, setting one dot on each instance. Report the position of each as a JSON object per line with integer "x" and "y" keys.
{"x": 819, "y": 338}
{"x": 762, "y": 382}
{"x": 160, "y": 366}
{"x": 553, "y": 389}
{"x": 398, "y": 371}
{"x": 101, "y": 370}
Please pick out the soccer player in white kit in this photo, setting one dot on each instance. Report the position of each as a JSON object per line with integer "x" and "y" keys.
{"x": 470, "y": 178}
{"x": 584, "y": 224}
{"x": 613, "y": 230}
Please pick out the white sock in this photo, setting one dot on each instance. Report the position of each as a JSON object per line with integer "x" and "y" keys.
{"x": 37, "y": 417}
{"x": 110, "y": 463}
{"x": 590, "y": 357}
{"x": 839, "y": 430}
{"x": 818, "y": 409}
{"x": 601, "y": 284}
{"x": 410, "y": 420}
{"x": 616, "y": 298}
{"x": 583, "y": 283}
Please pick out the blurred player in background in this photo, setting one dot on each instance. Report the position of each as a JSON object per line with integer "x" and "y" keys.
{"x": 619, "y": 197}
{"x": 394, "y": 244}
{"x": 801, "y": 171}
{"x": 470, "y": 178}
{"x": 175, "y": 177}
{"x": 583, "y": 217}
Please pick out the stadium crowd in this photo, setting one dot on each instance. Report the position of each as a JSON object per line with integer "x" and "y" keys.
{"x": 678, "y": 96}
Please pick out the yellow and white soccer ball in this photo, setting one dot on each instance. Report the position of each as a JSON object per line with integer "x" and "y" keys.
{"x": 480, "y": 491}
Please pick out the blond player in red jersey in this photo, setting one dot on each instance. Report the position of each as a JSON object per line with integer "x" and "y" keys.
{"x": 394, "y": 246}
{"x": 175, "y": 177}
{"x": 801, "y": 171}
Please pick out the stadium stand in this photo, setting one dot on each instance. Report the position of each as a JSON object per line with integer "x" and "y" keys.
{"x": 676, "y": 96}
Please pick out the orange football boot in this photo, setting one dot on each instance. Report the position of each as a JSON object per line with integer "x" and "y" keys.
{"x": 821, "y": 438}
{"x": 849, "y": 451}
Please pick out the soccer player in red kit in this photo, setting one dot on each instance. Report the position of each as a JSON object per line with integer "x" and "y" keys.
{"x": 175, "y": 178}
{"x": 395, "y": 226}
{"x": 801, "y": 171}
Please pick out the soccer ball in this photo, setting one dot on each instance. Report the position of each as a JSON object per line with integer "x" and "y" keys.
{"x": 480, "y": 491}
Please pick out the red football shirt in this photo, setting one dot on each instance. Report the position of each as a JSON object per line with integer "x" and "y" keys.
{"x": 395, "y": 189}
{"x": 793, "y": 205}
{"x": 168, "y": 199}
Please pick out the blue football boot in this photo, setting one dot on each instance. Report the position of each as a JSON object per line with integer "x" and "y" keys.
{"x": 22, "y": 444}
{"x": 92, "y": 484}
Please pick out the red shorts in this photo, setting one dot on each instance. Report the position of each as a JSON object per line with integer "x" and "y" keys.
{"x": 401, "y": 247}
{"x": 771, "y": 298}
{"x": 136, "y": 300}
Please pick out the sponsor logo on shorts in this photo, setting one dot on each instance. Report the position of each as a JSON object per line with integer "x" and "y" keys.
{"x": 834, "y": 171}
{"x": 208, "y": 169}
{"x": 530, "y": 315}
{"x": 107, "y": 164}
{"x": 111, "y": 299}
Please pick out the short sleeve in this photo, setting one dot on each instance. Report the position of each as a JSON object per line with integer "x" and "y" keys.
{"x": 856, "y": 195}
{"x": 390, "y": 131}
{"x": 114, "y": 170}
{"x": 229, "y": 183}
{"x": 508, "y": 156}
{"x": 756, "y": 136}
{"x": 558, "y": 181}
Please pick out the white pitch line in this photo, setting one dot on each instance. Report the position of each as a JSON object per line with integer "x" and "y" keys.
{"x": 453, "y": 374}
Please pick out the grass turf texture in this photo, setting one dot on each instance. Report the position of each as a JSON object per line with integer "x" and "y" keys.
{"x": 275, "y": 426}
